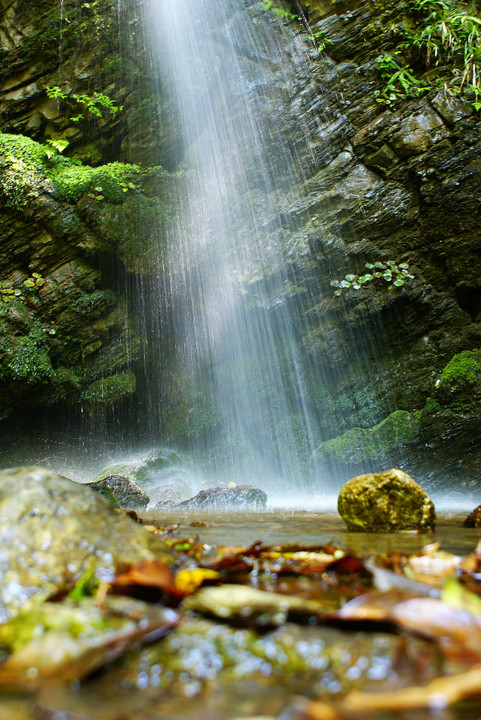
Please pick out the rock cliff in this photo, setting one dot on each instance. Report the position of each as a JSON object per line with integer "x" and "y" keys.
{"x": 393, "y": 181}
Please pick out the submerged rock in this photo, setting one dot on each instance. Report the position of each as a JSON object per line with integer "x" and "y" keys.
{"x": 53, "y": 530}
{"x": 239, "y": 496}
{"x": 213, "y": 659}
{"x": 64, "y": 642}
{"x": 474, "y": 519}
{"x": 385, "y": 502}
{"x": 120, "y": 492}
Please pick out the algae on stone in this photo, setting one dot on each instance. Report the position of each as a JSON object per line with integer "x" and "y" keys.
{"x": 387, "y": 501}
{"x": 360, "y": 444}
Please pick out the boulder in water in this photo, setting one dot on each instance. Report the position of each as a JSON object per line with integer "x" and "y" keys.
{"x": 474, "y": 518}
{"x": 120, "y": 491}
{"x": 239, "y": 496}
{"x": 385, "y": 502}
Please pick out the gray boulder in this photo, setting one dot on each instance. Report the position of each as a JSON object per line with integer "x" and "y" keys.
{"x": 234, "y": 497}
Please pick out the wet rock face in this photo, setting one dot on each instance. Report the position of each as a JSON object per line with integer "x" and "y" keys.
{"x": 397, "y": 183}
{"x": 52, "y": 531}
{"x": 385, "y": 502}
{"x": 400, "y": 183}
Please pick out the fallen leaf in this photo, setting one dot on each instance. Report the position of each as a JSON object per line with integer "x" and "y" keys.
{"x": 189, "y": 579}
{"x": 149, "y": 574}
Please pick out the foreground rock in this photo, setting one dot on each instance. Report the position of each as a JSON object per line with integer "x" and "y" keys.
{"x": 474, "y": 519}
{"x": 385, "y": 502}
{"x": 120, "y": 492}
{"x": 239, "y": 496}
{"x": 52, "y": 530}
{"x": 67, "y": 641}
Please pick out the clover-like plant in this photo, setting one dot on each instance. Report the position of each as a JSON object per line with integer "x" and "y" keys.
{"x": 391, "y": 272}
{"x": 10, "y": 292}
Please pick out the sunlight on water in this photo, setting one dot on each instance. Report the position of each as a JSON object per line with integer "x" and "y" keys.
{"x": 241, "y": 325}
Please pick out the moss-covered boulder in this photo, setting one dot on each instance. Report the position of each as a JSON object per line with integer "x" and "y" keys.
{"x": 52, "y": 531}
{"x": 387, "y": 501}
{"x": 360, "y": 444}
{"x": 120, "y": 492}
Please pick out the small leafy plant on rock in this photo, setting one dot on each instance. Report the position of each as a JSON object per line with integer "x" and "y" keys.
{"x": 399, "y": 80}
{"x": 91, "y": 105}
{"x": 391, "y": 272}
{"x": 10, "y": 292}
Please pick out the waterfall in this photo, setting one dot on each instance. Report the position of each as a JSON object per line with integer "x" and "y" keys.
{"x": 228, "y": 286}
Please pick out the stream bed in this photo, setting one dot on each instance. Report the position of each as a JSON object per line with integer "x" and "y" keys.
{"x": 208, "y": 669}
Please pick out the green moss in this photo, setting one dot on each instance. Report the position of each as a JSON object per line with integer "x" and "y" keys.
{"x": 108, "y": 494}
{"x": 399, "y": 428}
{"x": 109, "y": 390}
{"x": 461, "y": 372}
{"x": 30, "y": 168}
{"x": 25, "y": 358}
{"x": 22, "y": 175}
{"x": 431, "y": 406}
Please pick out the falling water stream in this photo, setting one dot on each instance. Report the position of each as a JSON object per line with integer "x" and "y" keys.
{"x": 239, "y": 333}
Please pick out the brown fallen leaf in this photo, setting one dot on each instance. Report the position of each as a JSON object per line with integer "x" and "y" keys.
{"x": 152, "y": 574}
{"x": 432, "y": 565}
{"x": 456, "y": 630}
{"x": 435, "y": 697}
{"x": 373, "y": 607}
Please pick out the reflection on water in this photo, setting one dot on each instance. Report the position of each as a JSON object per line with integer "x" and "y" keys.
{"x": 312, "y": 528}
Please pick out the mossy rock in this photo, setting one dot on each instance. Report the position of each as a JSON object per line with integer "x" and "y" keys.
{"x": 357, "y": 444}
{"x": 121, "y": 492}
{"x": 461, "y": 374}
{"x": 387, "y": 501}
{"x": 53, "y": 530}
{"x": 140, "y": 469}
{"x": 110, "y": 390}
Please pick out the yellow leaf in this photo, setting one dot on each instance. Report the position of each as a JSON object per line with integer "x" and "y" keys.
{"x": 189, "y": 579}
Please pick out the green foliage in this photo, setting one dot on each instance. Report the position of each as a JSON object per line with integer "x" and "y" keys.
{"x": 29, "y": 167}
{"x": 109, "y": 182}
{"x": 284, "y": 14}
{"x": 399, "y": 80}
{"x": 392, "y": 273}
{"x": 447, "y": 34}
{"x": 21, "y": 165}
{"x": 10, "y": 291}
{"x": 86, "y": 586}
{"x": 25, "y": 358}
{"x": 95, "y": 105}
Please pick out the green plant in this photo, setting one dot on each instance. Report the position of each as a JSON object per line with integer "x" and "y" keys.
{"x": 389, "y": 271}
{"x": 94, "y": 105}
{"x": 400, "y": 81}
{"x": 319, "y": 39}
{"x": 14, "y": 292}
{"x": 284, "y": 14}
{"x": 447, "y": 34}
